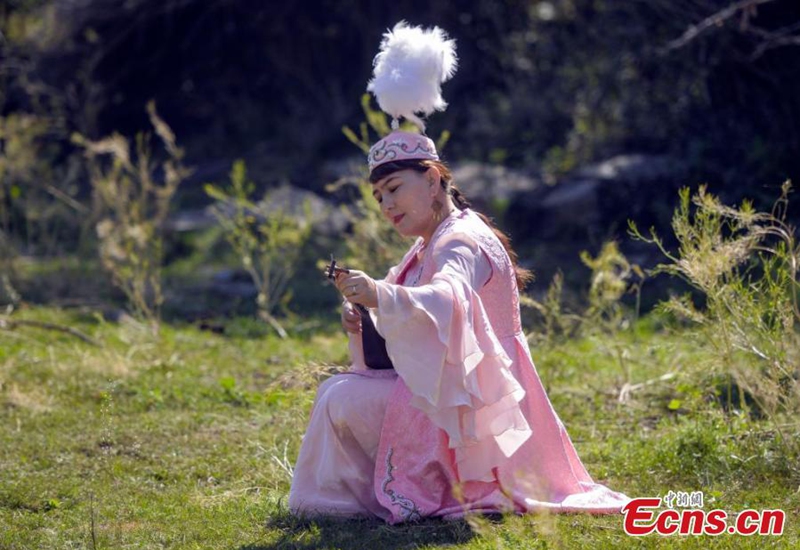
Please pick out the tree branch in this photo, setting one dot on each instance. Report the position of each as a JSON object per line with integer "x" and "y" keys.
{"x": 774, "y": 39}
{"x": 714, "y": 20}
{"x": 10, "y": 324}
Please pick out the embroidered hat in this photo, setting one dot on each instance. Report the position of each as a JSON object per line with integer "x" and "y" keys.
{"x": 401, "y": 146}
{"x": 408, "y": 73}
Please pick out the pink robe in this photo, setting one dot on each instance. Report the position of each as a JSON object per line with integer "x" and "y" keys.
{"x": 463, "y": 423}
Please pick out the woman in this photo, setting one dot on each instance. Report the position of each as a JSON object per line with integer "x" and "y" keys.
{"x": 462, "y": 423}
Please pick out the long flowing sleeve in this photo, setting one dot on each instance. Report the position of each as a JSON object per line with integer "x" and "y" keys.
{"x": 442, "y": 345}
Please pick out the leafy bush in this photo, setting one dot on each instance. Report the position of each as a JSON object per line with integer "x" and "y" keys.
{"x": 131, "y": 207}
{"x": 37, "y": 206}
{"x": 269, "y": 244}
{"x": 612, "y": 277}
{"x": 744, "y": 264}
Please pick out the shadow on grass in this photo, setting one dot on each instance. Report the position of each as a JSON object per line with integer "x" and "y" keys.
{"x": 287, "y": 531}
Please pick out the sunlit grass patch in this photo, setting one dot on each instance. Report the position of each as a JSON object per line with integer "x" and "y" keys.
{"x": 187, "y": 440}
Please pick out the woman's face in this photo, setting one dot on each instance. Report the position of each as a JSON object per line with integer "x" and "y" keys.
{"x": 405, "y": 198}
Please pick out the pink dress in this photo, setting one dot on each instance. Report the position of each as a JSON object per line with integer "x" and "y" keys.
{"x": 463, "y": 423}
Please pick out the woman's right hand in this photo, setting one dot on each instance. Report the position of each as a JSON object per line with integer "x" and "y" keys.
{"x": 351, "y": 318}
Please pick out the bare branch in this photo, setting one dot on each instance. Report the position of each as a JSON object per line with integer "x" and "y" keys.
{"x": 714, "y": 20}
{"x": 10, "y": 324}
{"x": 772, "y": 40}
{"x": 66, "y": 199}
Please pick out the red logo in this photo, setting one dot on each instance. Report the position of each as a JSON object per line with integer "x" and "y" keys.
{"x": 641, "y": 518}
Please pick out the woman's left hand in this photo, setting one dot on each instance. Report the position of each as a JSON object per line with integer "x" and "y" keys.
{"x": 358, "y": 288}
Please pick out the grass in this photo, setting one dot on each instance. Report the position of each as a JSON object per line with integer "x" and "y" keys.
{"x": 187, "y": 441}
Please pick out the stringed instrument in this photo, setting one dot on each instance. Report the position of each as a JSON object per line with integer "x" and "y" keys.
{"x": 374, "y": 345}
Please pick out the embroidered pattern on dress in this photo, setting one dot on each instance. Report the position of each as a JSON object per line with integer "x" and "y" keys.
{"x": 498, "y": 288}
{"x": 408, "y": 509}
{"x": 495, "y": 249}
{"x": 417, "y": 270}
{"x": 408, "y": 265}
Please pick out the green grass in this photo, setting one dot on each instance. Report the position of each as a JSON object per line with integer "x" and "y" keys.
{"x": 184, "y": 441}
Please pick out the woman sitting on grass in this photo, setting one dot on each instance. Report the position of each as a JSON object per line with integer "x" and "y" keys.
{"x": 461, "y": 423}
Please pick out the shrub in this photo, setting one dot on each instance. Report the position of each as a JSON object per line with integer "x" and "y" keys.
{"x": 130, "y": 207}
{"x": 30, "y": 178}
{"x": 744, "y": 264}
{"x": 612, "y": 277}
{"x": 269, "y": 244}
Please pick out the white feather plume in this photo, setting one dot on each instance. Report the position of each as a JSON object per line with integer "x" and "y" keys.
{"x": 409, "y": 70}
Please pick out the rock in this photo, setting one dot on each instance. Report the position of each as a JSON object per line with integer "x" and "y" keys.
{"x": 632, "y": 168}
{"x": 594, "y": 203}
{"x": 485, "y": 183}
{"x": 190, "y": 220}
{"x": 324, "y": 215}
{"x": 233, "y": 283}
